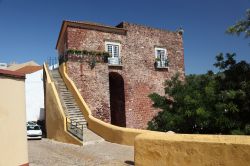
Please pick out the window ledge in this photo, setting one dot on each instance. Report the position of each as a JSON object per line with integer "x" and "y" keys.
{"x": 162, "y": 68}
{"x": 115, "y": 66}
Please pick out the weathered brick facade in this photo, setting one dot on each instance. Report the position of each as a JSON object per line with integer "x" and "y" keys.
{"x": 138, "y": 70}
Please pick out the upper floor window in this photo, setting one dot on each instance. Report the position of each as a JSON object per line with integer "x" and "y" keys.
{"x": 114, "y": 50}
{"x": 161, "y": 57}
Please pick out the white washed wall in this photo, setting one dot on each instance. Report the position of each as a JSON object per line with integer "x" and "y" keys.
{"x": 34, "y": 96}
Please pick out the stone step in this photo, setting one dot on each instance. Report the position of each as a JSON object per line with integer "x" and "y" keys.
{"x": 64, "y": 91}
{"x": 75, "y": 115}
{"x": 79, "y": 120}
{"x": 57, "y": 77}
{"x": 63, "y": 88}
{"x": 78, "y": 123}
{"x": 76, "y": 119}
{"x": 66, "y": 94}
{"x": 74, "y": 110}
{"x": 71, "y": 97}
{"x": 60, "y": 83}
{"x": 71, "y": 107}
{"x": 67, "y": 100}
{"x": 80, "y": 117}
{"x": 70, "y": 104}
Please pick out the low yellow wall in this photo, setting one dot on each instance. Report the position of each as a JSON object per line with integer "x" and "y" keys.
{"x": 192, "y": 150}
{"x": 107, "y": 131}
{"x": 55, "y": 118}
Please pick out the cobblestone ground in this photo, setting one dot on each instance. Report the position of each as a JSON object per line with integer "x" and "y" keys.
{"x": 46, "y": 152}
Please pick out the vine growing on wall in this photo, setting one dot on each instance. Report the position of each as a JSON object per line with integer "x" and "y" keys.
{"x": 92, "y": 57}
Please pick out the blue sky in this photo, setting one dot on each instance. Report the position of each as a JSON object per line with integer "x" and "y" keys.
{"x": 29, "y": 29}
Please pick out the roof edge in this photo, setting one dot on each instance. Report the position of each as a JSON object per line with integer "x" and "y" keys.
{"x": 13, "y": 74}
{"x": 90, "y": 26}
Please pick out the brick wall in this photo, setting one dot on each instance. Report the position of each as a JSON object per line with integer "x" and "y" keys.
{"x": 138, "y": 71}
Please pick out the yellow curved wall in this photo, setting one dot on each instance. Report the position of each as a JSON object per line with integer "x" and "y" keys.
{"x": 192, "y": 150}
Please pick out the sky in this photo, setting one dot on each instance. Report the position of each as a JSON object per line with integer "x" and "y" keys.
{"x": 29, "y": 28}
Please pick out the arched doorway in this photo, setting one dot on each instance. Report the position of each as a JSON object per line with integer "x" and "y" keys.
{"x": 117, "y": 99}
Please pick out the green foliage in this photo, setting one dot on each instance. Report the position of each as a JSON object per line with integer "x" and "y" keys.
{"x": 85, "y": 52}
{"x": 247, "y": 129}
{"x": 93, "y": 56}
{"x": 237, "y": 132}
{"x": 221, "y": 64}
{"x": 242, "y": 26}
{"x": 207, "y": 103}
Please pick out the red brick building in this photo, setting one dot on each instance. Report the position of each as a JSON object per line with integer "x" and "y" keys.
{"x": 117, "y": 88}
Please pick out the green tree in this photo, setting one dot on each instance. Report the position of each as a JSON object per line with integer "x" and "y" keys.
{"x": 234, "y": 81}
{"x": 207, "y": 103}
{"x": 242, "y": 26}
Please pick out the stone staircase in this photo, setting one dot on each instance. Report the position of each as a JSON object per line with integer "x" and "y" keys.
{"x": 75, "y": 119}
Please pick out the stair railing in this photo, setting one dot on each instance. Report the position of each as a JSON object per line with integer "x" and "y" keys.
{"x": 75, "y": 129}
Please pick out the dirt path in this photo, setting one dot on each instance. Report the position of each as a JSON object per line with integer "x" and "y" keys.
{"x": 46, "y": 152}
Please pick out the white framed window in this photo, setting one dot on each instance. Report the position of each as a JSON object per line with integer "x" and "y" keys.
{"x": 113, "y": 48}
{"x": 161, "y": 53}
{"x": 161, "y": 57}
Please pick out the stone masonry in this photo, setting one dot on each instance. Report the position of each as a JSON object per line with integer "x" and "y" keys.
{"x": 137, "y": 69}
